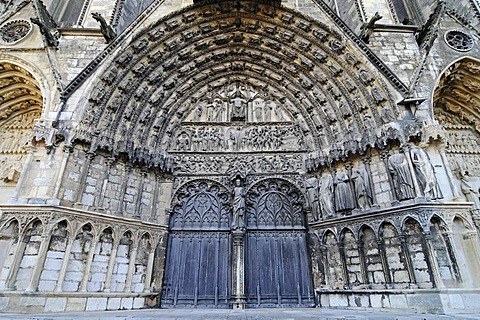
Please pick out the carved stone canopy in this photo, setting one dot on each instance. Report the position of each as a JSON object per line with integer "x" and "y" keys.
{"x": 172, "y": 73}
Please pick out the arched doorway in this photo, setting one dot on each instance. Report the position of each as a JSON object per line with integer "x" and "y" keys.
{"x": 198, "y": 266}
{"x": 20, "y": 105}
{"x": 277, "y": 263}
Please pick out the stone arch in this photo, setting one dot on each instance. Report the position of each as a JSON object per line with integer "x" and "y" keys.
{"x": 335, "y": 273}
{"x": 396, "y": 260}
{"x": 9, "y": 241}
{"x": 465, "y": 241}
{"x": 60, "y": 238}
{"x": 100, "y": 260}
{"x": 351, "y": 256}
{"x": 371, "y": 258}
{"x": 200, "y": 34}
{"x": 76, "y": 274}
{"x": 455, "y": 103}
{"x": 20, "y": 107}
{"x": 444, "y": 253}
{"x": 121, "y": 263}
{"x": 418, "y": 252}
{"x": 28, "y": 254}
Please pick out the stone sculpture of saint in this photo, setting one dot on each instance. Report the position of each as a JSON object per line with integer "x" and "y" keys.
{"x": 343, "y": 193}
{"x": 326, "y": 195}
{"x": 313, "y": 197}
{"x": 425, "y": 174}
{"x": 238, "y": 205}
{"x": 398, "y": 166}
{"x": 362, "y": 187}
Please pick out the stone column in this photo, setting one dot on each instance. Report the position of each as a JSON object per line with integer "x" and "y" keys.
{"x": 408, "y": 259}
{"x": 149, "y": 273}
{"x": 88, "y": 265}
{"x": 131, "y": 267}
{"x": 323, "y": 252}
{"x": 431, "y": 260}
{"x": 83, "y": 176}
{"x": 341, "y": 248}
{"x": 101, "y": 197}
{"x": 111, "y": 263}
{"x": 63, "y": 166}
{"x": 153, "y": 213}
{"x": 238, "y": 270}
{"x": 23, "y": 175}
{"x": 37, "y": 270}
{"x": 63, "y": 268}
{"x": 17, "y": 259}
{"x": 385, "y": 267}
{"x": 452, "y": 257}
{"x": 123, "y": 187}
{"x": 138, "y": 205}
{"x": 363, "y": 262}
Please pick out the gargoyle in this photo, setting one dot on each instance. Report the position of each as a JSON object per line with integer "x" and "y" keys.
{"x": 107, "y": 30}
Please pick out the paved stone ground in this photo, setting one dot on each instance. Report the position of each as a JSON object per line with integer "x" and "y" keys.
{"x": 256, "y": 314}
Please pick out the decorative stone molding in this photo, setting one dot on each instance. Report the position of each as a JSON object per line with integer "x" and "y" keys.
{"x": 15, "y": 31}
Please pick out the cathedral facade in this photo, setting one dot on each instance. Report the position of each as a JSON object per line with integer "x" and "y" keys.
{"x": 239, "y": 154}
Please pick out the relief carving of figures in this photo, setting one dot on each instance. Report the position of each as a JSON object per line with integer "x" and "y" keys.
{"x": 326, "y": 195}
{"x": 238, "y": 205}
{"x": 470, "y": 194}
{"x": 343, "y": 193}
{"x": 398, "y": 166}
{"x": 313, "y": 197}
{"x": 425, "y": 174}
{"x": 363, "y": 189}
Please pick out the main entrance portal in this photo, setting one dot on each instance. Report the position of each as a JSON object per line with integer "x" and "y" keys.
{"x": 273, "y": 269}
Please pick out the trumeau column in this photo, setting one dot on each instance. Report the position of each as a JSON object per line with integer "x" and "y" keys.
{"x": 111, "y": 264}
{"x": 432, "y": 263}
{"x": 238, "y": 269}
{"x": 37, "y": 270}
{"x": 63, "y": 268}
{"x": 131, "y": 267}
{"x": 88, "y": 265}
{"x": 66, "y": 154}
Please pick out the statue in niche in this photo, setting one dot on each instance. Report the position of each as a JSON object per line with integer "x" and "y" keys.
{"x": 402, "y": 179}
{"x": 425, "y": 174}
{"x": 183, "y": 142}
{"x": 470, "y": 194}
{"x": 343, "y": 193}
{"x": 210, "y": 110}
{"x": 197, "y": 116}
{"x": 258, "y": 110}
{"x": 267, "y": 109}
{"x": 312, "y": 196}
{"x": 363, "y": 189}
{"x": 238, "y": 204}
{"x": 387, "y": 115}
{"x": 219, "y": 110}
{"x": 278, "y": 112}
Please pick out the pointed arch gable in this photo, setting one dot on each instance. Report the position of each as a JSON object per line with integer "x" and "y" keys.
{"x": 180, "y": 57}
